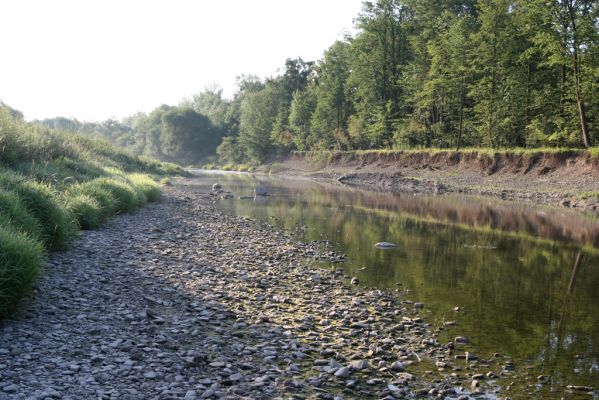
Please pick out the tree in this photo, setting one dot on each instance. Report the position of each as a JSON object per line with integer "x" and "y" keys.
{"x": 258, "y": 115}
{"x": 333, "y": 105}
{"x": 302, "y": 107}
{"x": 187, "y": 136}
{"x": 566, "y": 37}
{"x": 379, "y": 53}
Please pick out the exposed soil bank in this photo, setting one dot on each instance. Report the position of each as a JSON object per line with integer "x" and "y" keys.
{"x": 568, "y": 179}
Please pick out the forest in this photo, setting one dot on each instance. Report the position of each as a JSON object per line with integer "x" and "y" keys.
{"x": 415, "y": 74}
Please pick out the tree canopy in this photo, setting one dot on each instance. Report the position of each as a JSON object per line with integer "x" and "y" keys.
{"x": 418, "y": 73}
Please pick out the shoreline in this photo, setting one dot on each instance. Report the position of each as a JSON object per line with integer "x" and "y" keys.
{"x": 568, "y": 180}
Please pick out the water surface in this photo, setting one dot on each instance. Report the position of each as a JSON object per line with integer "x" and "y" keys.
{"x": 525, "y": 279}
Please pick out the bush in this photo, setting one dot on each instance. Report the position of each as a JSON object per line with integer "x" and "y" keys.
{"x": 14, "y": 213}
{"x": 20, "y": 258}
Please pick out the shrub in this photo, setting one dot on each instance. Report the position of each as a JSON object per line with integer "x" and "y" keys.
{"x": 20, "y": 258}
{"x": 13, "y": 213}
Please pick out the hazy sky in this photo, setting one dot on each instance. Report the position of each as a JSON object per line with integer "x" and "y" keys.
{"x": 96, "y": 59}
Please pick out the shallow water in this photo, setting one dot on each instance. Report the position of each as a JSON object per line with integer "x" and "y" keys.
{"x": 525, "y": 278}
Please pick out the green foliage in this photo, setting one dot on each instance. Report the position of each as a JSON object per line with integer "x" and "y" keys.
{"x": 20, "y": 258}
{"x": 58, "y": 224}
{"x": 149, "y": 187}
{"x": 14, "y": 213}
{"x": 86, "y": 209}
{"x": 229, "y": 150}
{"x": 166, "y": 182}
{"x": 258, "y": 115}
{"x": 127, "y": 199}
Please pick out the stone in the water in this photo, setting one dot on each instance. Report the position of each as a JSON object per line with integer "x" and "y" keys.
{"x": 216, "y": 187}
{"x": 461, "y": 340}
{"x": 386, "y": 245}
{"x": 260, "y": 191}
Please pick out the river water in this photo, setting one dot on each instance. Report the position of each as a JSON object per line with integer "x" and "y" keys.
{"x": 518, "y": 280}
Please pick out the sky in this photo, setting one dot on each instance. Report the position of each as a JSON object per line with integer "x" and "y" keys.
{"x": 99, "y": 59}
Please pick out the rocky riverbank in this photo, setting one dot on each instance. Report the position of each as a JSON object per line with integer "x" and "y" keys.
{"x": 180, "y": 301}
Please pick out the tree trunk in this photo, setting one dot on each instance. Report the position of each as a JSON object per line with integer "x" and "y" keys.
{"x": 527, "y": 111}
{"x": 584, "y": 128}
{"x": 461, "y": 115}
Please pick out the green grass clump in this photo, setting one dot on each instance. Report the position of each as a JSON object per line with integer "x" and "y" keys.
{"x": 87, "y": 210}
{"x": 58, "y": 224}
{"x": 126, "y": 197}
{"x": 106, "y": 201}
{"x": 147, "y": 185}
{"x": 20, "y": 258}
{"x": 166, "y": 182}
{"x": 13, "y": 213}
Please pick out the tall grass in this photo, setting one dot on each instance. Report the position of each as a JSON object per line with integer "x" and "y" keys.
{"x": 20, "y": 259}
{"x": 51, "y": 185}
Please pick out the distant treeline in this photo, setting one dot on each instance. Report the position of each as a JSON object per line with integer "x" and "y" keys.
{"x": 418, "y": 73}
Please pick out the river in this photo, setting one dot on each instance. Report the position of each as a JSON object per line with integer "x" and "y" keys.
{"x": 516, "y": 279}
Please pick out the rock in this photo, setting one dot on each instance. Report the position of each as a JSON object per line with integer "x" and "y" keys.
{"x": 190, "y": 395}
{"x": 12, "y": 388}
{"x": 342, "y": 372}
{"x": 51, "y": 393}
{"x": 386, "y": 245}
{"x": 216, "y": 187}
{"x": 398, "y": 366}
{"x": 358, "y": 365}
{"x": 355, "y": 281}
{"x": 150, "y": 375}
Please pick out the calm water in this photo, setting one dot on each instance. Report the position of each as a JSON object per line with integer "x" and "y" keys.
{"x": 525, "y": 278}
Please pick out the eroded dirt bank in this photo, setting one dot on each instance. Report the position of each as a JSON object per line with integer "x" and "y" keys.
{"x": 180, "y": 301}
{"x": 567, "y": 179}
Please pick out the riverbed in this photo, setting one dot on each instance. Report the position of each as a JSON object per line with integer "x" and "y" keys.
{"x": 519, "y": 281}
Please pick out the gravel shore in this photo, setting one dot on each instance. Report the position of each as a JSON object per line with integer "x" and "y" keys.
{"x": 180, "y": 301}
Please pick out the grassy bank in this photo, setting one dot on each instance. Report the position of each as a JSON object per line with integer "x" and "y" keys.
{"x": 52, "y": 184}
